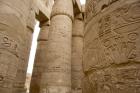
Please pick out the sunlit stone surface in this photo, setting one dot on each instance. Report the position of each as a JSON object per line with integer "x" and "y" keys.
{"x": 40, "y": 59}
{"x": 77, "y": 53}
{"x": 58, "y": 67}
{"x": 112, "y": 46}
{"x": 15, "y": 34}
{"x": 92, "y": 48}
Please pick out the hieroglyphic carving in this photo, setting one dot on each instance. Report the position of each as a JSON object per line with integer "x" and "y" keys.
{"x": 122, "y": 37}
{"x": 112, "y": 56}
{"x": 8, "y": 43}
{"x": 117, "y": 42}
{"x": 8, "y": 67}
{"x": 96, "y": 6}
{"x": 64, "y": 69}
{"x": 112, "y": 80}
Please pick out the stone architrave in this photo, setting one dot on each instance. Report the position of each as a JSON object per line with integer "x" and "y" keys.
{"x": 40, "y": 59}
{"x": 14, "y": 42}
{"x": 57, "y": 73}
{"x": 77, "y": 53}
{"x": 112, "y": 46}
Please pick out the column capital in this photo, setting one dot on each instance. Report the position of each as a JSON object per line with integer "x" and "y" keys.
{"x": 78, "y": 24}
{"x": 44, "y": 23}
{"x": 43, "y": 36}
{"x": 79, "y": 16}
{"x": 63, "y": 7}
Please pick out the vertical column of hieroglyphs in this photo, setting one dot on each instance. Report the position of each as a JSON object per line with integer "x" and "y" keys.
{"x": 58, "y": 66}
{"x": 112, "y": 46}
{"x": 77, "y": 53}
{"x": 19, "y": 85}
{"x": 40, "y": 58}
{"x": 13, "y": 15}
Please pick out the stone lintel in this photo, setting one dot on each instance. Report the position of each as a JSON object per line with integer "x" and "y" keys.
{"x": 83, "y": 9}
{"x": 77, "y": 6}
{"x": 42, "y": 12}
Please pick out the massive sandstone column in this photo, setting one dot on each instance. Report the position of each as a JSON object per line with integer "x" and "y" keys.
{"x": 112, "y": 46}
{"x": 58, "y": 66}
{"x": 77, "y": 53}
{"x": 38, "y": 81}
{"x": 14, "y": 41}
{"x": 40, "y": 59}
{"x": 19, "y": 86}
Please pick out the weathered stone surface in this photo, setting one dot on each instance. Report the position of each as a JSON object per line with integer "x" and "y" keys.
{"x": 19, "y": 85}
{"x": 83, "y": 9}
{"x": 57, "y": 74}
{"x": 77, "y": 54}
{"x": 123, "y": 79}
{"x": 14, "y": 46}
{"x": 40, "y": 60}
{"x": 63, "y": 7}
{"x": 43, "y": 9}
{"x": 77, "y": 6}
{"x": 111, "y": 46}
{"x": 87, "y": 86}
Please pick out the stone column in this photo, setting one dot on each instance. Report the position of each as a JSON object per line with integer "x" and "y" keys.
{"x": 112, "y": 46}
{"x": 19, "y": 86}
{"x": 58, "y": 64}
{"x": 40, "y": 59}
{"x": 13, "y": 45}
{"x": 77, "y": 53}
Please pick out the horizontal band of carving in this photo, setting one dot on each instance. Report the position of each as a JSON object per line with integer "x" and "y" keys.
{"x": 78, "y": 36}
{"x": 58, "y": 84}
{"x": 90, "y": 71}
{"x": 63, "y": 13}
{"x": 42, "y": 40}
{"x": 58, "y": 70}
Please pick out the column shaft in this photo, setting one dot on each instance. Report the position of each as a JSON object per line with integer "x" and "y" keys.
{"x": 58, "y": 66}
{"x": 19, "y": 86}
{"x": 40, "y": 59}
{"x": 13, "y": 45}
{"x": 77, "y": 54}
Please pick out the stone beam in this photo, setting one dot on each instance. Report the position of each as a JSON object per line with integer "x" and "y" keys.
{"x": 77, "y": 6}
{"x": 42, "y": 11}
{"x": 83, "y": 9}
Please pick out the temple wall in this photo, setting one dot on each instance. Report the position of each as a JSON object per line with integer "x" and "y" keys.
{"x": 112, "y": 46}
